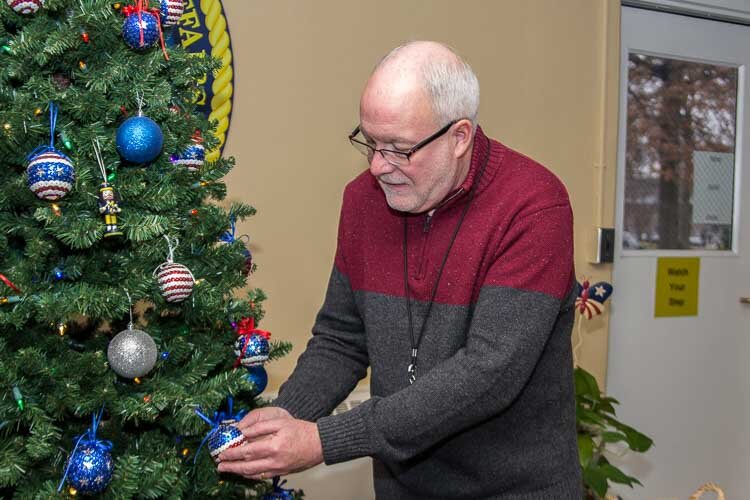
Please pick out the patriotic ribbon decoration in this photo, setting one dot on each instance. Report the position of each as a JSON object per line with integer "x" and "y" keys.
{"x": 246, "y": 328}
{"x": 590, "y": 300}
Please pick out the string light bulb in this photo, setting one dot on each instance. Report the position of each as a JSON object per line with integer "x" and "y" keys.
{"x": 18, "y": 397}
{"x": 137, "y": 380}
{"x": 73, "y": 492}
{"x": 62, "y": 329}
{"x": 56, "y": 209}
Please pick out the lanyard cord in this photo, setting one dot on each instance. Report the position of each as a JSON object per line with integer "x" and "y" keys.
{"x": 415, "y": 342}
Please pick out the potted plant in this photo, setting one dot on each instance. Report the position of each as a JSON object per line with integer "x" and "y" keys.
{"x": 597, "y": 427}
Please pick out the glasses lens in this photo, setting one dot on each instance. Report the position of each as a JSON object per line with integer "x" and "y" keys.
{"x": 362, "y": 148}
{"x": 395, "y": 157}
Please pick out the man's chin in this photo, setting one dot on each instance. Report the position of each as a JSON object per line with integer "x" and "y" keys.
{"x": 401, "y": 204}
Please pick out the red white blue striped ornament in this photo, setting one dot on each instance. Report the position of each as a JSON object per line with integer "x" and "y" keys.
{"x": 175, "y": 281}
{"x": 171, "y": 11}
{"x": 225, "y": 436}
{"x": 25, "y": 6}
{"x": 50, "y": 174}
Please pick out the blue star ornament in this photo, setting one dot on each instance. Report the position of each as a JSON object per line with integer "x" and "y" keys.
{"x": 591, "y": 298}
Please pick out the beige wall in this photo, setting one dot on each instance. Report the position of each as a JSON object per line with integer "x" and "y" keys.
{"x": 299, "y": 68}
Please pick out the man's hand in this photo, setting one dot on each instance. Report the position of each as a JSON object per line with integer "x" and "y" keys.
{"x": 261, "y": 414}
{"x": 275, "y": 447}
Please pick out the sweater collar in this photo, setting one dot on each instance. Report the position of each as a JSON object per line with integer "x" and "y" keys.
{"x": 482, "y": 147}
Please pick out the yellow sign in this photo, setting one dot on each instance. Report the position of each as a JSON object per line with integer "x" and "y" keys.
{"x": 677, "y": 286}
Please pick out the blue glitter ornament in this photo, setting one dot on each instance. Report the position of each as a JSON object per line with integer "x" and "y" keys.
{"x": 50, "y": 173}
{"x": 90, "y": 466}
{"x": 279, "y": 493}
{"x": 258, "y": 377}
{"x": 252, "y": 350}
{"x": 140, "y": 33}
{"x": 139, "y": 139}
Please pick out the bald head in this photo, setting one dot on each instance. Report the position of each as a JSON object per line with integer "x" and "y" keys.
{"x": 431, "y": 72}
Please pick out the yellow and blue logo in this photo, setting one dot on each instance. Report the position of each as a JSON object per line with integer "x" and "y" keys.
{"x": 203, "y": 29}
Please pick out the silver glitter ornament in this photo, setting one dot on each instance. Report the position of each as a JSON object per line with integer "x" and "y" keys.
{"x": 132, "y": 353}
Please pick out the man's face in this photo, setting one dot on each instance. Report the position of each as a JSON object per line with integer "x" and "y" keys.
{"x": 394, "y": 118}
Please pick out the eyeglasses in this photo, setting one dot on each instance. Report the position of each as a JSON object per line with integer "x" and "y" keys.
{"x": 393, "y": 156}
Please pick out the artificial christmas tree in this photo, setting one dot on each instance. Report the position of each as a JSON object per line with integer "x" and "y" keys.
{"x": 114, "y": 333}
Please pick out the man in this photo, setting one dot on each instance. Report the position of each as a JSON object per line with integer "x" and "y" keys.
{"x": 453, "y": 280}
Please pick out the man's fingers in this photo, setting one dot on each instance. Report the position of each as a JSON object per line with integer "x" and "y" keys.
{"x": 234, "y": 454}
{"x": 264, "y": 428}
{"x": 252, "y": 450}
{"x": 249, "y": 469}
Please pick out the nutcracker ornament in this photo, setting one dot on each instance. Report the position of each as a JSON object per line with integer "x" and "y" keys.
{"x": 175, "y": 280}
{"x": 109, "y": 202}
{"x": 50, "y": 173}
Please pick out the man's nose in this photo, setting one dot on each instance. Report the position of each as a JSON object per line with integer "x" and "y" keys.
{"x": 379, "y": 165}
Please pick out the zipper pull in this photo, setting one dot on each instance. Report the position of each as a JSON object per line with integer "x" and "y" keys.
{"x": 427, "y": 222}
{"x": 412, "y": 369}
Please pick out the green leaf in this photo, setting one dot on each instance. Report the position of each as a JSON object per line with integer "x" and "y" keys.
{"x": 617, "y": 476}
{"x": 585, "y": 384}
{"x": 613, "y": 437}
{"x": 637, "y": 441}
{"x": 595, "y": 478}
{"x": 585, "y": 449}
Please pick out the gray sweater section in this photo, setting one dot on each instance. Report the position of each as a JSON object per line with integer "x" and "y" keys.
{"x": 494, "y": 419}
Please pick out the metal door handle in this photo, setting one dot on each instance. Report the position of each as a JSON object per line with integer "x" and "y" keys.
{"x": 744, "y": 300}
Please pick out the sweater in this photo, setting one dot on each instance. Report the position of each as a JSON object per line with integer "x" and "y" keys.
{"x": 492, "y": 411}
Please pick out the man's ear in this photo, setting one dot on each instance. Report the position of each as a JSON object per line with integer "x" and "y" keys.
{"x": 462, "y": 133}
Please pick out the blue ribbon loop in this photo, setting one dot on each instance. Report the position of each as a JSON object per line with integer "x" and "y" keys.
{"x": 219, "y": 418}
{"x": 88, "y": 438}
{"x": 279, "y": 492}
{"x": 52, "y": 124}
{"x": 230, "y": 236}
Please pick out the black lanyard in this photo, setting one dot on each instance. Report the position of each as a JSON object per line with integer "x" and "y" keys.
{"x": 412, "y": 369}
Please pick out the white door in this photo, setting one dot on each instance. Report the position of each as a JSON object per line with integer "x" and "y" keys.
{"x": 683, "y": 190}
